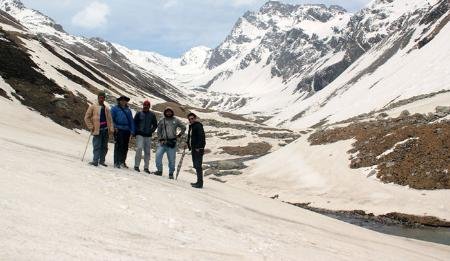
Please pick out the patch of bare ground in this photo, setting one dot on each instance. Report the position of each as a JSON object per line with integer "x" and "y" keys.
{"x": 391, "y": 105}
{"x": 4, "y": 94}
{"x": 409, "y": 150}
{"x": 232, "y": 137}
{"x": 286, "y": 136}
{"x": 78, "y": 80}
{"x": 204, "y": 110}
{"x": 392, "y": 218}
{"x": 233, "y": 116}
{"x": 34, "y": 89}
{"x": 5, "y": 18}
{"x": 262, "y": 119}
{"x": 73, "y": 64}
{"x": 179, "y": 110}
{"x": 246, "y": 126}
{"x": 252, "y": 149}
{"x": 218, "y": 180}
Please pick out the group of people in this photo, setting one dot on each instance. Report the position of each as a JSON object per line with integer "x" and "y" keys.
{"x": 119, "y": 121}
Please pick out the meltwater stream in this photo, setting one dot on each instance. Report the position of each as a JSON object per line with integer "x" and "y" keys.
{"x": 439, "y": 235}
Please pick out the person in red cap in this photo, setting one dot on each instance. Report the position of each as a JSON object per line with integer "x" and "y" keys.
{"x": 145, "y": 124}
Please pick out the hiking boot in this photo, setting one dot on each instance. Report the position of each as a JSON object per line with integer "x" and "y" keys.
{"x": 117, "y": 166}
{"x": 170, "y": 176}
{"x": 158, "y": 173}
{"x": 194, "y": 184}
{"x": 95, "y": 164}
{"x": 123, "y": 165}
{"x": 147, "y": 171}
{"x": 137, "y": 169}
{"x": 197, "y": 185}
{"x": 103, "y": 164}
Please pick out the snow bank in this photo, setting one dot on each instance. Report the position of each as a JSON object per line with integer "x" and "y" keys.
{"x": 300, "y": 173}
{"x": 54, "y": 206}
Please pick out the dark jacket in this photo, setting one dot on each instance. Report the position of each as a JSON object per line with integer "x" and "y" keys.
{"x": 145, "y": 123}
{"x": 122, "y": 118}
{"x": 196, "y": 136}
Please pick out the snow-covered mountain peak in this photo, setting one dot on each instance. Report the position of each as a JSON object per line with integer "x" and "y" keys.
{"x": 276, "y": 7}
{"x": 196, "y": 56}
{"x": 32, "y": 19}
{"x": 10, "y": 4}
{"x": 273, "y": 20}
{"x": 315, "y": 12}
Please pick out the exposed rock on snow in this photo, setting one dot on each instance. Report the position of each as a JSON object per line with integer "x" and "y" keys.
{"x": 409, "y": 150}
{"x": 80, "y": 65}
{"x": 35, "y": 89}
{"x": 250, "y": 149}
{"x": 299, "y": 64}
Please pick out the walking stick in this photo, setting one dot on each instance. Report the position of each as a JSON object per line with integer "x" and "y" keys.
{"x": 87, "y": 144}
{"x": 180, "y": 163}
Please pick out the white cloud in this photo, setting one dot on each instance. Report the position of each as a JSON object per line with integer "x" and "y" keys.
{"x": 170, "y": 3}
{"x": 92, "y": 16}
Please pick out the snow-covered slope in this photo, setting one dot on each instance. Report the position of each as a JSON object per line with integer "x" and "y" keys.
{"x": 409, "y": 62}
{"x": 296, "y": 63}
{"x": 55, "y": 206}
{"x": 263, "y": 49}
{"x": 34, "y": 20}
{"x": 80, "y": 65}
{"x": 321, "y": 176}
{"x": 180, "y": 71}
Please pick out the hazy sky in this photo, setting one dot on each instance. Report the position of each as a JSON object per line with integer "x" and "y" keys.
{"x": 169, "y": 27}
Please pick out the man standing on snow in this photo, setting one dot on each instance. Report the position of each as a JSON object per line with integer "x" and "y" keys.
{"x": 124, "y": 128}
{"x": 196, "y": 143}
{"x": 99, "y": 122}
{"x": 145, "y": 123}
{"x": 167, "y": 136}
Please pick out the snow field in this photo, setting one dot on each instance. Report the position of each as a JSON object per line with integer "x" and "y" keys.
{"x": 56, "y": 207}
{"x": 300, "y": 173}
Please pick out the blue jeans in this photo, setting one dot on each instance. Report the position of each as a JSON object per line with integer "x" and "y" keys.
{"x": 100, "y": 144}
{"x": 171, "y": 156}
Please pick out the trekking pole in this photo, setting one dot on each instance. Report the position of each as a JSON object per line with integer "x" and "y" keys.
{"x": 180, "y": 164}
{"x": 87, "y": 144}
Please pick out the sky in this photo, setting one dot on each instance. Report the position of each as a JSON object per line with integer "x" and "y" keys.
{"x": 169, "y": 27}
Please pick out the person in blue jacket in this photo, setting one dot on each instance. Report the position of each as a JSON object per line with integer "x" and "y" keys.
{"x": 123, "y": 129}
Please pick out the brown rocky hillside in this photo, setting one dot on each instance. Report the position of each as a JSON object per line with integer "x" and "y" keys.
{"x": 411, "y": 150}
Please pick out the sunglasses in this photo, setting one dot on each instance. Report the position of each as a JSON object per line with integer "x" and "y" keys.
{"x": 191, "y": 119}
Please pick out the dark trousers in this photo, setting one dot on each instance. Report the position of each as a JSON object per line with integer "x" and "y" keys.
{"x": 100, "y": 144}
{"x": 197, "y": 160}
{"x": 122, "y": 138}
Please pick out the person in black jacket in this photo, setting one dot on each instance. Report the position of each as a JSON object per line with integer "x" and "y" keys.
{"x": 196, "y": 143}
{"x": 145, "y": 124}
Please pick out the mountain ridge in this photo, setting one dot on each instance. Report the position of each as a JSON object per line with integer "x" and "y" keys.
{"x": 277, "y": 61}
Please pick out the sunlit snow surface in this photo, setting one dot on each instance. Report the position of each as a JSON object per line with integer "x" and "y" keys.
{"x": 53, "y": 206}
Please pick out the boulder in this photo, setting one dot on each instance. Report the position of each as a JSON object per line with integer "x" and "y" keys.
{"x": 405, "y": 113}
{"x": 442, "y": 111}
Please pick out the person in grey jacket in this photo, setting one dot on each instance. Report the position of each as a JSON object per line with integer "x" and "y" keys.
{"x": 167, "y": 136}
{"x": 145, "y": 124}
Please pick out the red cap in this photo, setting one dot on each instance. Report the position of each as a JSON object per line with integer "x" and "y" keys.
{"x": 146, "y": 103}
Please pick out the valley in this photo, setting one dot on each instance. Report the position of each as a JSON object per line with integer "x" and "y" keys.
{"x": 306, "y": 108}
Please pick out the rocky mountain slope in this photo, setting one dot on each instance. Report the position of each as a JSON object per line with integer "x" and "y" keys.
{"x": 291, "y": 65}
{"x": 288, "y": 61}
{"x": 45, "y": 65}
